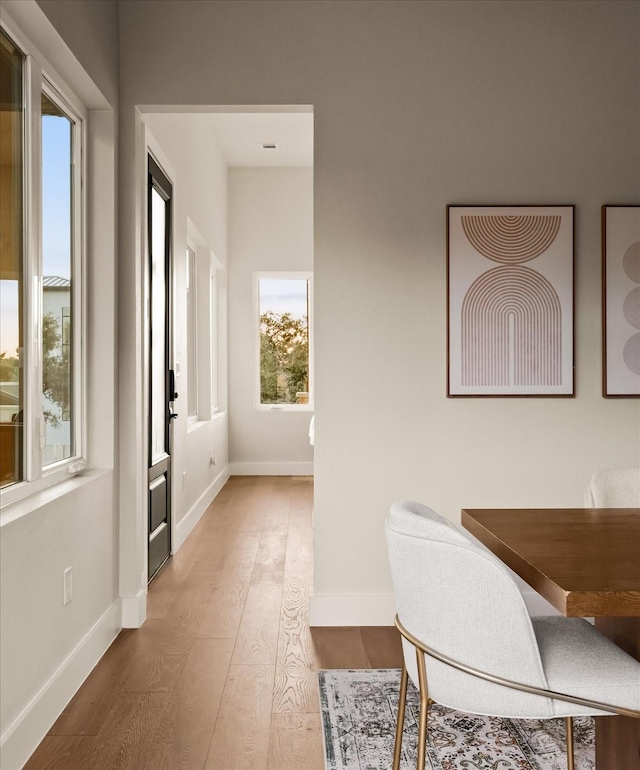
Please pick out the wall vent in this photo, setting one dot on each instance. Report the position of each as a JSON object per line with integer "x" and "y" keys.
{"x": 268, "y": 145}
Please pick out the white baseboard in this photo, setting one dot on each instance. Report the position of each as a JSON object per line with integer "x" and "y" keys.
{"x": 271, "y": 469}
{"x": 134, "y": 609}
{"x": 380, "y": 609}
{"x": 352, "y": 610}
{"x": 188, "y": 522}
{"x": 24, "y": 734}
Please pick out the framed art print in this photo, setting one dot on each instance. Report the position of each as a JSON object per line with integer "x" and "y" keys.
{"x": 621, "y": 300}
{"x": 510, "y": 300}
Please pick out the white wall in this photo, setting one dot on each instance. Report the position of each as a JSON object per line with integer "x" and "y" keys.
{"x": 199, "y": 195}
{"x": 270, "y": 229}
{"x": 47, "y": 649}
{"x": 417, "y": 105}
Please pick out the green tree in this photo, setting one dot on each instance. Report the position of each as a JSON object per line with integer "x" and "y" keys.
{"x": 284, "y": 357}
{"x": 9, "y": 368}
{"x": 55, "y": 368}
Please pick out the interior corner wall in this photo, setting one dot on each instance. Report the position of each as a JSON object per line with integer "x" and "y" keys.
{"x": 270, "y": 229}
{"x": 416, "y": 106}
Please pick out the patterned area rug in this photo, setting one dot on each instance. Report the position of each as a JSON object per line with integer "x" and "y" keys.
{"x": 359, "y": 710}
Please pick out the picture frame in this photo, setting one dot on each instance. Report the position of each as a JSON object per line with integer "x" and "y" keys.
{"x": 621, "y": 301}
{"x": 510, "y": 301}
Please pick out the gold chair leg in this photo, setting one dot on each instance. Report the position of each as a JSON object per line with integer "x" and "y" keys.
{"x": 424, "y": 710}
{"x": 569, "y": 724}
{"x": 402, "y": 702}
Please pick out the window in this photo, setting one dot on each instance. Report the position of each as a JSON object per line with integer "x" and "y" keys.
{"x": 11, "y": 262}
{"x": 284, "y": 337}
{"x": 201, "y": 352}
{"x": 57, "y": 153}
{"x": 192, "y": 344}
{"x": 41, "y": 229}
{"x": 213, "y": 325}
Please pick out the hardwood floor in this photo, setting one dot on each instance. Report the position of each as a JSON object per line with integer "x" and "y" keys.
{"x": 222, "y": 675}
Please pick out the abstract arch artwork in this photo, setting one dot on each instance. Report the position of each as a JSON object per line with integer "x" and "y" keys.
{"x": 621, "y": 300}
{"x": 510, "y": 292}
{"x": 511, "y": 330}
{"x": 511, "y": 239}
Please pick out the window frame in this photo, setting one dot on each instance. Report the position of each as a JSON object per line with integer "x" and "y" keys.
{"x": 39, "y": 77}
{"x": 213, "y": 339}
{"x": 282, "y": 275}
{"x": 191, "y": 297}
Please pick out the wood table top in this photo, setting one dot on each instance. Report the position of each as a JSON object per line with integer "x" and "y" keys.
{"x": 584, "y": 561}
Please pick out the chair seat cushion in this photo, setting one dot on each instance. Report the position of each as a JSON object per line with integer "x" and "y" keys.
{"x": 578, "y": 660}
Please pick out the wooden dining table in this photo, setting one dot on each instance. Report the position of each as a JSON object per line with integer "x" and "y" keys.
{"x": 586, "y": 563}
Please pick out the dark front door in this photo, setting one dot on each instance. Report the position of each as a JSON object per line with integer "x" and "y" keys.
{"x": 161, "y": 381}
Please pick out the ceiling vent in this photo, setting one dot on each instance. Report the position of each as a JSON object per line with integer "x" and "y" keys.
{"x": 268, "y": 146}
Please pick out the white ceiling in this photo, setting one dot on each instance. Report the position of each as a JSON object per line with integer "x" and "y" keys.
{"x": 240, "y": 136}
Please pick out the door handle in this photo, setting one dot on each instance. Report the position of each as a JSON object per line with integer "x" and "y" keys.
{"x": 172, "y": 386}
{"x": 172, "y": 415}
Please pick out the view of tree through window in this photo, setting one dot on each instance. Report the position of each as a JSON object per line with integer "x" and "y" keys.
{"x": 284, "y": 340}
{"x": 57, "y": 223}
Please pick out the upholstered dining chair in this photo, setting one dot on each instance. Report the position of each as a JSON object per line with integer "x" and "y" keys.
{"x": 614, "y": 488}
{"x": 470, "y": 644}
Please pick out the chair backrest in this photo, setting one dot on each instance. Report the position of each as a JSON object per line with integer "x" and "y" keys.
{"x": 614, "y": 488}
{"x": 462, "y": 602}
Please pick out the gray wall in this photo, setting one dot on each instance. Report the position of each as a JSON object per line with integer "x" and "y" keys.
{"x": 90, "y": 29}
{"x": 418, "y": 105}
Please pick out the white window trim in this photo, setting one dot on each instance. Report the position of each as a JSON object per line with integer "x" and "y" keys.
{"x": 213, "y": 339}
{"x": 39, "y": 76}
{"x": 208, "y": 270}
{"x": 193, "y": 388}
{"x": 290, "y": 274}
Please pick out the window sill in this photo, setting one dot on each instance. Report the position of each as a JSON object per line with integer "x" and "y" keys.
{"x": 192, "y": 427}
{"x": 26, "y": 505}
{"x": 275, "y": 408}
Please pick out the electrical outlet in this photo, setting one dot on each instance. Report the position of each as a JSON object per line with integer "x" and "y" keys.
{"x": 212, "y": 459}
{"x": 67, "y": 586}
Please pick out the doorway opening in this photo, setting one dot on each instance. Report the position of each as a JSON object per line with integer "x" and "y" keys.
{"x": 241, "y": 203}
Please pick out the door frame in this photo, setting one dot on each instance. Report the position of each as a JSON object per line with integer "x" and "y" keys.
{"x": 134, "y": 416}
{"x": 155, "y": 471}
{"x": 150, "y": 146}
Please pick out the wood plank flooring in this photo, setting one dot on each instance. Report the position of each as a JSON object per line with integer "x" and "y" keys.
{"x": 222, "y": 675}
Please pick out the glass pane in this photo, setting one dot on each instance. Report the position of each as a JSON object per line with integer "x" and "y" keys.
{"x": 192, "y": 367}
{"x": 11, "y": 263}
{"x": 284, "y": 341}
{"x": 57, "y": 282}
{"x": 158, "y": 337}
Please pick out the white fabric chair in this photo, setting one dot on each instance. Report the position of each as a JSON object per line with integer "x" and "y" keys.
{"x": 614, "y": 488}
{"x": 467, "y": 634}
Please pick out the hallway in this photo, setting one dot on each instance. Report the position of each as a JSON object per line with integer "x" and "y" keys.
{"x": 222, "y": 675}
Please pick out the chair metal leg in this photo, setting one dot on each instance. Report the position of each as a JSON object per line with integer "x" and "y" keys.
{"x": 402, "y": 702}
{"x": 424, "y": 710}
{"x": 569, "y": 724}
